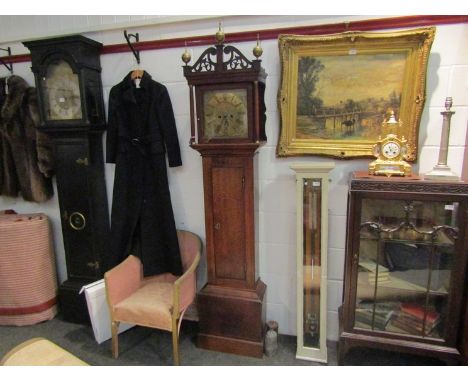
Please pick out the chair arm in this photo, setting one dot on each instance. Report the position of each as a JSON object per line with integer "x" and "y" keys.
{"x": 123, "y": 280}
{"x": 185, "y": 288}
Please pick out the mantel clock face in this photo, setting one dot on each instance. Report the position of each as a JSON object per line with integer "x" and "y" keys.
{"x": 225, "y": 114}
{"x": 390, "y": 153}
{"x": 61, "y": 93}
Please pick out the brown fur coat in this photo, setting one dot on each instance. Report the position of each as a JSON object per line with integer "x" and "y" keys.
{"x": 26, "y": 153}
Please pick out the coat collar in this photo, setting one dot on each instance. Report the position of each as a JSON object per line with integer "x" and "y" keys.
{"x": 129, "y": 85}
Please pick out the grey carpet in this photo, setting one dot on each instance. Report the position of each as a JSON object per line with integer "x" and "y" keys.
{"x": 141, "y": 346}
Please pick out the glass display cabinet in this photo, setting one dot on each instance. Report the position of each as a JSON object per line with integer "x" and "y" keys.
{"x": 405, "y": 267}
{"x": 312, "y": 235}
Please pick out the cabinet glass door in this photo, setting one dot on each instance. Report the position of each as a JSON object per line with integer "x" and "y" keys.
{"x": 404, "y": 262}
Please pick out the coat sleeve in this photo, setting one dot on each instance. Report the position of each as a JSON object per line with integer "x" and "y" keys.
{"x": 168, "y": 128}
{"x": 112, "y": 130}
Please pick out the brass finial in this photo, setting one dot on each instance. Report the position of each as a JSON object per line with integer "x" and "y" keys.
{"x": 186, "y": 56}
{"x": 257, "y": 51}
{"x": 220, "y": 35}
{"x": 391, "y": 124}
{"x": 392, "y": 119}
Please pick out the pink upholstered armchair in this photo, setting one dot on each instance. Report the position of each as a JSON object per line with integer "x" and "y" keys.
{"x": 157, "y": 301}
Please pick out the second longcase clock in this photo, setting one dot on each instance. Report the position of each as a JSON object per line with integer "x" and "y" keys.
{"x": 228, "y": 127}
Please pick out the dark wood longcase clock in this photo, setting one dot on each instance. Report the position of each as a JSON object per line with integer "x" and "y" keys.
{"x": 67, "y": 72}
{"x": 227, "y": 128}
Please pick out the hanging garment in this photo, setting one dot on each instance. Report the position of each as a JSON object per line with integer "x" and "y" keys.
{"x": 27, "y": 154}
{"x": 141, "y": 129}
{"x": 2, "y": 101}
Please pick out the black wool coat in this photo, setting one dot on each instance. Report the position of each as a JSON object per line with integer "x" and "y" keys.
{"x": 141, "y": 130}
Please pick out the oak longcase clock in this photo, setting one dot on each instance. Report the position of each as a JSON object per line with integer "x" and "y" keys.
{"x": 67, "y": 72}
{"x": 227, "y": 127}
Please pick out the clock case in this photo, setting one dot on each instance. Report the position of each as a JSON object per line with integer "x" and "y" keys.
{"x": 79, "y": 167}
{"x": 231, "y": 306}
{"x": 390, "y": 166}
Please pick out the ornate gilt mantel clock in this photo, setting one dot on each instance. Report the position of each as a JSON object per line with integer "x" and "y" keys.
{"x": 390, "y": 152}
{"x": 227, "y": 127}
{"x": 67, "y": 71}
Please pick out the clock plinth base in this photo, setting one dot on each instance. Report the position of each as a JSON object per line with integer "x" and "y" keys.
{"x": 232, "y": 320}
{"x": 72, "y": 304}
{"x": 442, "y": 173}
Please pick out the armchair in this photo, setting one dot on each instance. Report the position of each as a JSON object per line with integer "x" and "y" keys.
{"x": 158, "y": 301}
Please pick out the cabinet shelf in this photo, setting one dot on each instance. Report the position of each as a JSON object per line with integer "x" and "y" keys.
{"x": 394, "y": 283}
{"x": 408, "y": 241}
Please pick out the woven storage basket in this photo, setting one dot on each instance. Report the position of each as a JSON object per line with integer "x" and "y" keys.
{"x": 28, "y": 281}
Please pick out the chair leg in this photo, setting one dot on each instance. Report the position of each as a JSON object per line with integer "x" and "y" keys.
{"x": 175, "y": 344}
{"x": 115, "y": 338}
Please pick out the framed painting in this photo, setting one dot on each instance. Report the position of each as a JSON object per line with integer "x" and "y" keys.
{"x": 337, "y": 90}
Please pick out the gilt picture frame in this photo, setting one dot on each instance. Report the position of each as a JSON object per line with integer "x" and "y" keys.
{"x": 337, "y": 90}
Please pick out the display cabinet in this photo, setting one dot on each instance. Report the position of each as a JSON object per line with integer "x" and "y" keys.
{"x": 312, "y": 239}
{"x": 405, "y": 267}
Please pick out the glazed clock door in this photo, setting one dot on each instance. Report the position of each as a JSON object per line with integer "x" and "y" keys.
{"x": 224, "y": 113}
{"x": 61, "y": 93}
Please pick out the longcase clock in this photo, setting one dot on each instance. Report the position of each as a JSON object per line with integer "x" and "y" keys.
{"x": 67, "y": 72}
{"x": 227, "y": 128}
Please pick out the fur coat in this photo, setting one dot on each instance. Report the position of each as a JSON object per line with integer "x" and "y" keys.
{"x": 26, "y": 153}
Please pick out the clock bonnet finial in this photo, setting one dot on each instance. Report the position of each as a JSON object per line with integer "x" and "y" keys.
{"x": 257, "y": 51}
{"x": 219, "y": 35}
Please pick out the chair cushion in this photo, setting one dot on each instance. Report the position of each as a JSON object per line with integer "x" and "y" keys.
{"x": 163, "y": 277}
{"x": 151, "y": 305}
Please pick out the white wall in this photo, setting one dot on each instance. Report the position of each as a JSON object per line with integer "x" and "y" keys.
{"x": 447, "y": 76}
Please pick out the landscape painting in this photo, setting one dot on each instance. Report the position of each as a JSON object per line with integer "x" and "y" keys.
{"x": 338, "y": 90}
{"x": 347, "y": 96}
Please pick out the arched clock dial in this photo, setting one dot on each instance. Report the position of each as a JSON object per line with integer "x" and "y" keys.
{"x": 61, "y": 93}
{"x": 225, "y": 114}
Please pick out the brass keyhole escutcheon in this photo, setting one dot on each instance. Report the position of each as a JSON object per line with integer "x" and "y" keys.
{"x": 77, "y": 221}
{"x": 217, "y": 226}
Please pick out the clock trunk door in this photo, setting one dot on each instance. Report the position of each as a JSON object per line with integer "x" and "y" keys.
{"x": 229, "y": 241}
{"x": 228, "y": 216}
{"x": 75, "y": 210}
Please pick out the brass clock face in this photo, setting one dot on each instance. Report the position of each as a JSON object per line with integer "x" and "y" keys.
{"x": 61, "y": 93}
{"x": 225, "y": 114}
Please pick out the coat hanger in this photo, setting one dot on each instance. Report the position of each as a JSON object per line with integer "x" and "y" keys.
{"x": 137, "y": 73}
